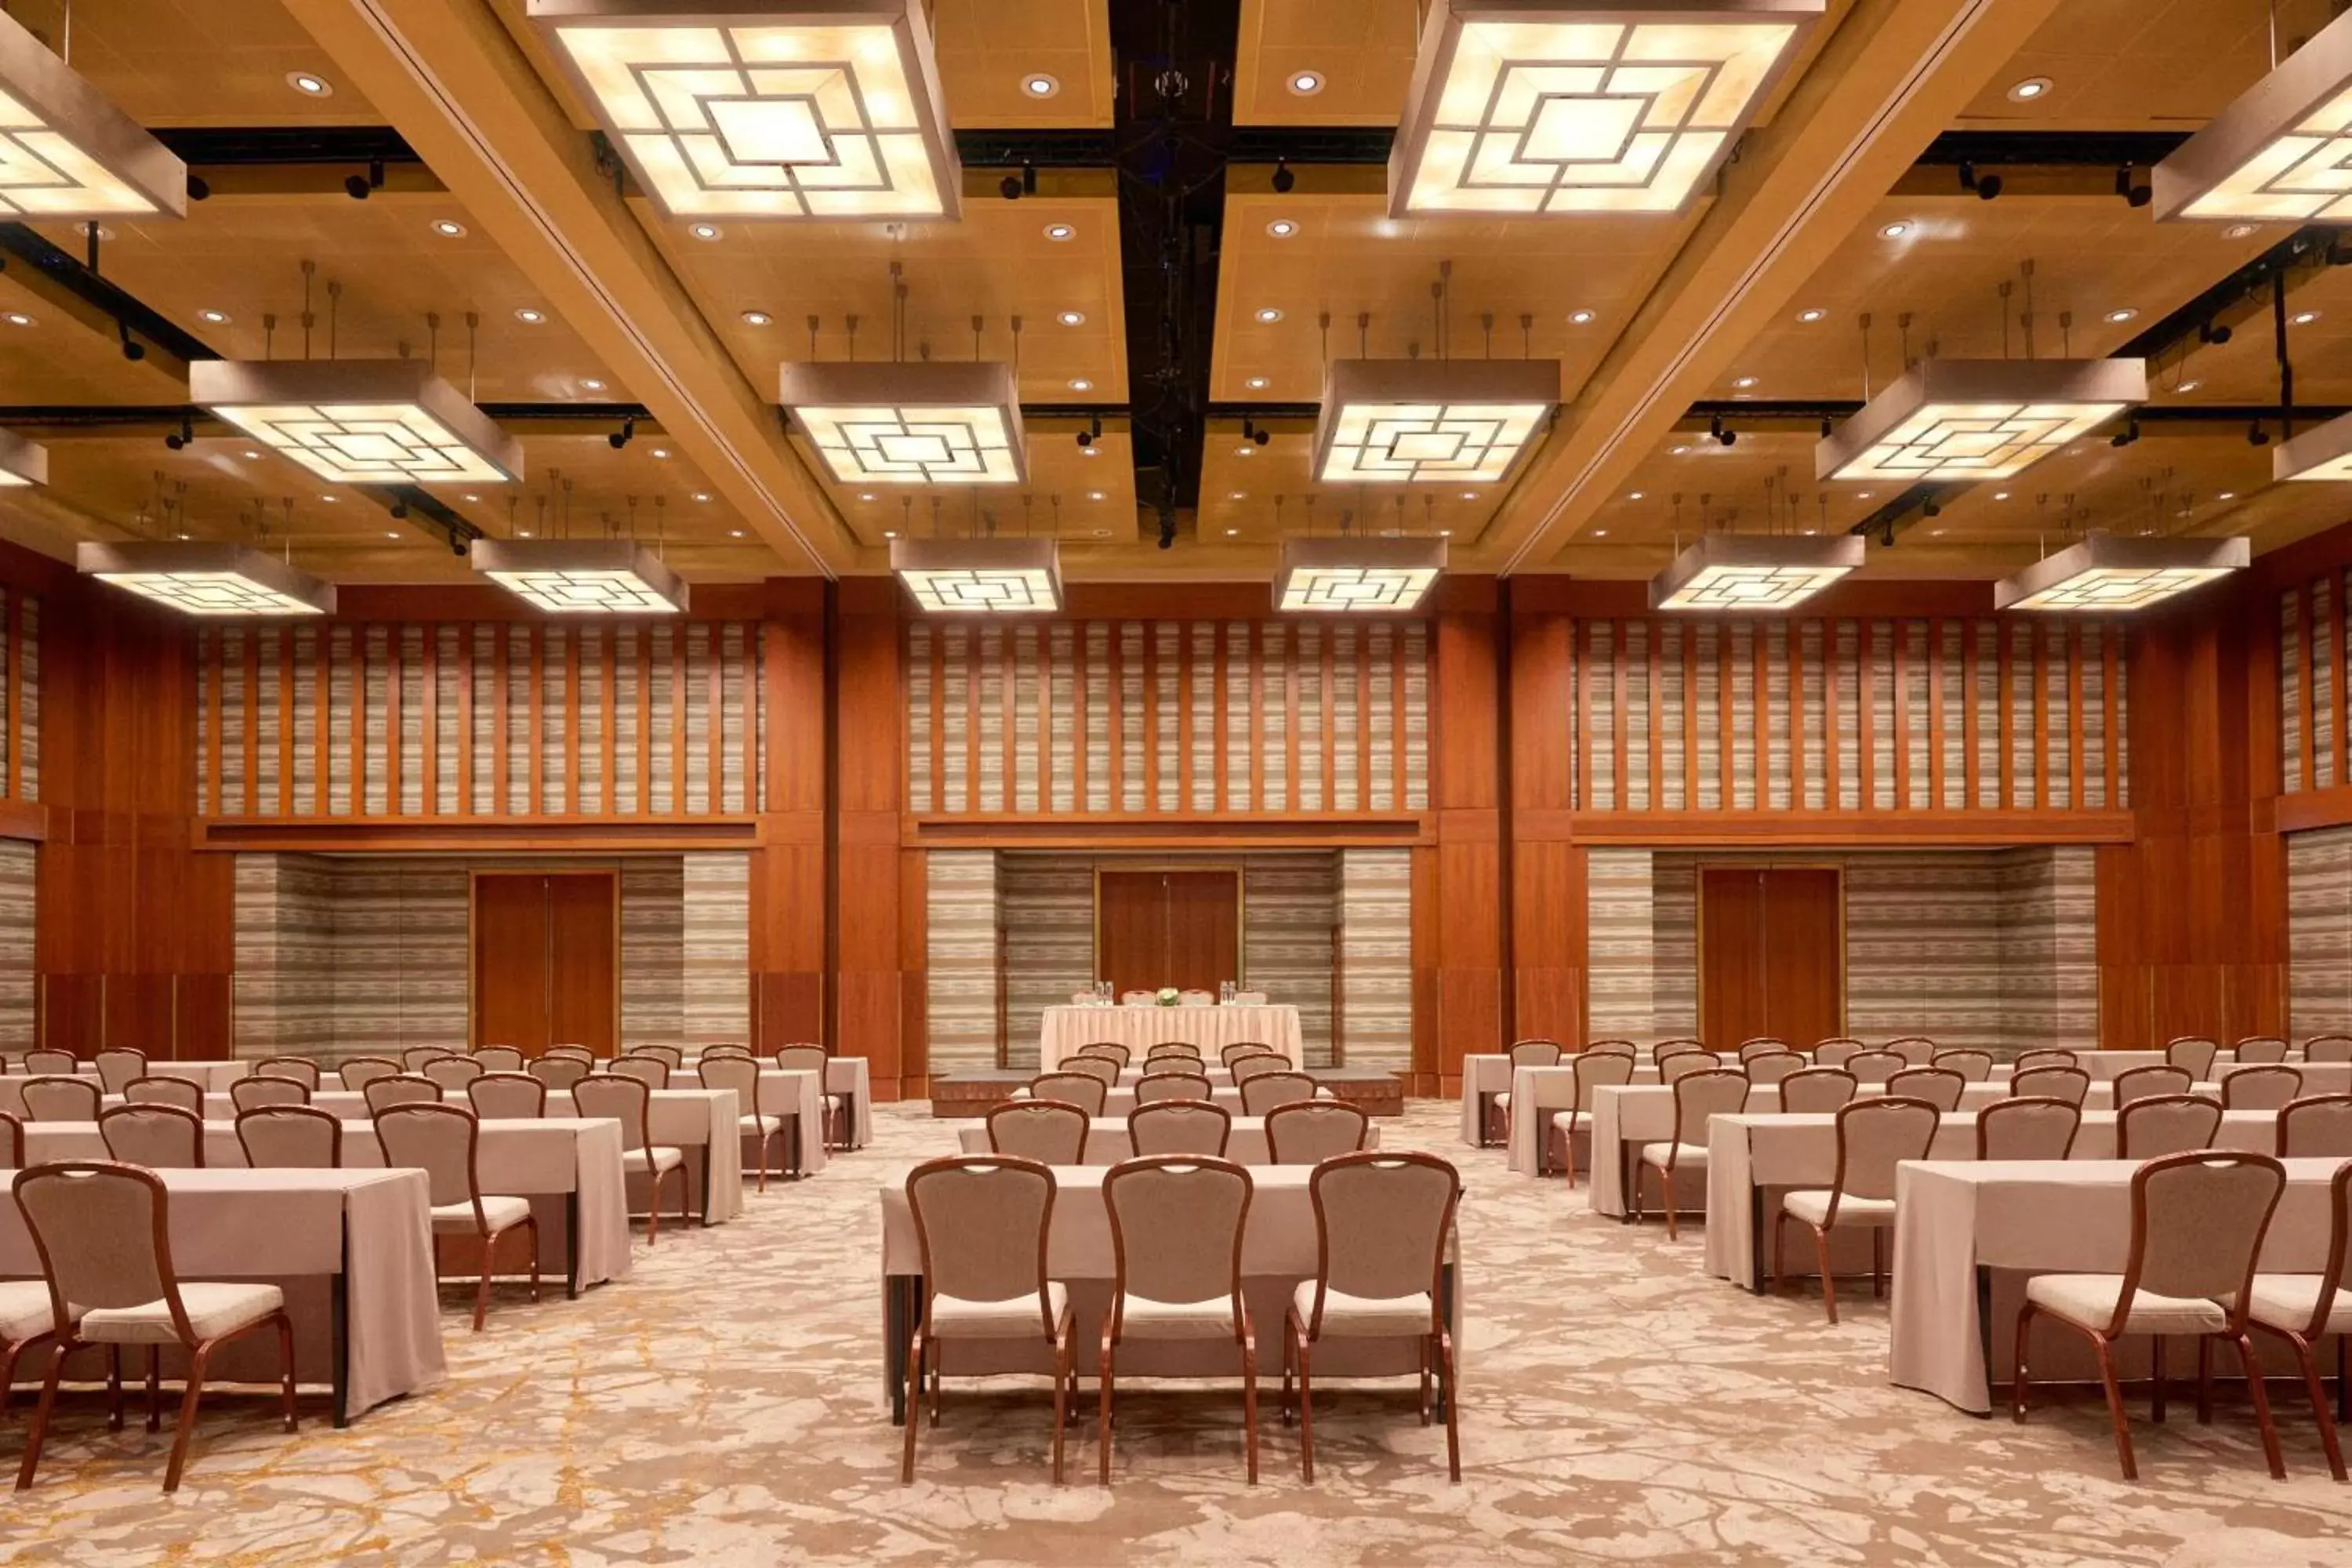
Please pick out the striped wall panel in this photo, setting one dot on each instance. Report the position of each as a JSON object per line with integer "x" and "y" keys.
{"x": 1150, "y": 718}
{"x": 961, "y": 981}
{"x": 1845, "y": 715}
{"x": 653, "y": 950}
{"x": 1376, "y": 958}
{"x": 2050, "y": 981}
{"x": 715, "y": 927}
{"x": 16, "y": 983}
{"x": 490, "y": 719}
{"x": 1619, "y": 963}
{"x": 20, "y": 695}
{"x": 2319, "y": 930}
{"x": 2313, "y": 685}
{"x": 1046, "y": 907}
{"x": 1290, "y": 919}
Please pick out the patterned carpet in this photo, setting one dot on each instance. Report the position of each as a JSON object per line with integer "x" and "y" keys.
{"x": 723, "y": 1408}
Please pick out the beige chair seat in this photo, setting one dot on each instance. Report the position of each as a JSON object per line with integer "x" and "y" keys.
{"x": 1346, "y": 1316}
{"x": 457, "y": 1219}
{"x": 1145, "y": 1318}
{"x": 2285, "y": 1301}
{"x": 1814, "y": 1208}
{"x": 2089, "y": 1301}
{"x": 24, "y": 1310}
{"x": 636, "y": 1162}
{"x": 1691, "y": 1154}
{"x": 1014, "y": 1319}
{"x": 212, "y": 1310}
{"x": 1503, "y": 1100}
{"x": 761, "y": 1124}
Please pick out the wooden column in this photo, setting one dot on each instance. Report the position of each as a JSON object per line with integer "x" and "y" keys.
{"x": 788, "y": 869}
{"x": 1459, "y": 995}
{"x": 878, "y": 891}
{"x": 1548, "y": 871}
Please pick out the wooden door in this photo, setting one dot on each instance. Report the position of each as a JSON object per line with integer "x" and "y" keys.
{"x": 1168, "y": 928}
{"x": 1771, "y": 953}
{"x": 546, "y": 960}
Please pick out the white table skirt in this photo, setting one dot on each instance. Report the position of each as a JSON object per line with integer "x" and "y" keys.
{"x": 850, "y": 1076}
{"x": 1484, "y": 1075}
{"x": 1137, "y": 1028}
{"x": 212, "y": 1075}
{"x": 1107, "y": 1144}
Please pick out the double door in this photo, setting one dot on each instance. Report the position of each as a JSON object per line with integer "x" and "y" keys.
{"x": 1772, "y": 944}
{"x": 1156, "y": 928}
{"x": 546, "y": 960}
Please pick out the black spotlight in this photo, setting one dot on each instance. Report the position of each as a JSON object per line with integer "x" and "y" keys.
{"x": 1085, "y": 437}
{"x": 181, "y": 437}
{"x": 1167, "y": 526}
{"x": 356, "y": 188}
{"x": 1715, "y": 428}
{"x": 2126, "y": 436}
{"x": 1825, "y": 425}
{"x": 400, "y": 510}
{"x": 1986, "y": 186}
{"x": 2256, "y": 436}
{"x": 2132, "y": 191}
{"x": 1283, "y": 178}
{"x": 624, "y": 435}
{"x": 1092, "y": 433}
{"x": 1927, "y": 509}
{"x": 132, "y": 349}
{"x": 199, "y": 188}
{"x": 1011, "y": 186}
{"x": 2212, "y": 333}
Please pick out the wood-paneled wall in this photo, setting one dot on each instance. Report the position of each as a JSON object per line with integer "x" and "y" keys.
{"x": 20, "y": 694}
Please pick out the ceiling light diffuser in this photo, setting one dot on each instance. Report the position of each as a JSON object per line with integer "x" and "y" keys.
{"x": 1961, "y": 419}
{"x": 821, "y": 109}
{"x": 1355, "y": 576}
{"x": 1753, "y": 571}
{"x": 207, "y": 579}
{"x": 980, "y": 576}
{"x": 2280, "y": 151}
{"x": 2108, "y": 573}
{"x": 1402, "y": 422}
{"x": 1625, "y": 108}
{"x": 581, "y": 576}
{"x": 921, "y": 423}
{"x": 66, "y": 152}
{"x": 359, "y": 421}
{"x": 2322, "y": 452}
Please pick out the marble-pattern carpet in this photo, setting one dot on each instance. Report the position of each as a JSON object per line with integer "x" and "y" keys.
{"x": 723, "y": 1407}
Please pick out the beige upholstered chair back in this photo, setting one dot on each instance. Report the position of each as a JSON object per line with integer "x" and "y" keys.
{"x": 2316, "y": 1126}
{"x": 1817, "y": 1091}
{"x": 102, "y": 1232}
{"x": 1268, "y": 1090}
{"x": 730, "y": 1049}
{"x": 1158, "y": 1085}
{"x": 1309, "y": 1132}
{"x": 2328, "y": 1048}
{"x": 740, "y": 1074}
{"x": 160, "y": 1137}
{"x": 414, "y": 1058}
{"x": 401, "y": 1089}
{"x": 290, "y": 1137}
{"x": 12, "y": 1143}
{"x": 1196, "y": 998}
{"x": 649, "y": 1070}
{"x": 2046, "y": 1056}
{"x": 1612, "y": 1049}
{"x": 612, "y": 1097}
{"x": 802, "y": 1058}
{"x": 438, "y": 1140}
{"x": 1180, "y": 1127}
{"x": 2071, "y": 1085}
{"x": 1597, "y": 1070}
{"x": 2198, "y": 1221}
{"x": 1185, "y": 1215}
{"x": 2156, "y": 1125}
{"x": 1680, "y": 1065}
{"x": 2268, "y": 1087}
{"x": 1874, "y": 1067}
{"x": 1761, "y": 1045}
{"x": 301, "y": 1070}
{"x": 1159, "y": 1058}
{"x": 670, "y": 1056}
{"x": 2193, "y": 1052}
{"x": 1720, "y": 1091}
{"x": 1381, "y": 1221}
{"x": 187, "y": 1093}
{"x": 1772, "y": 1067}
{"x": 1535, "y": 1054}
{"x": 2260, "y": 1050}
{"x": 253, "y": 1093}
{"x": 981, "y": 1222}
{"x": 1249, "y": 998}
{"x": 2036, "y": 1127}
{"x": 1085, "y": 1090}
{"x": 1917, "y": 1050}
{"x": 499, "y": 1058}
{"x": 37, "y": 1062}
{"x": 1939, "y": 1087}
{"x": 453, "y": 1072}
{"x": 1102, "y": 1067}
{"x": 1245, "y": 1068}
{"x": 506, "y": 1096}
{"x": 62, "y": 1099}
{"x": 559, "y": 1073}
{"x": 1109, "y": 1048}
{"x": 1665, "y": 1051}
{"x": 2144, "y": 1083}
{"x": 1050, "y": 1131}
{"x": 358, "y": 1072}
{"x": 1232, "y": 1048}
{"x": 1173, "y": 1048}
{"x": 1836, "y": 1051}
{"x": 1973, "y": 1066}
{"x": 118, "y": 1066}
{"x": 1875, "y": 1136}
{"x": 577, "y": 1053}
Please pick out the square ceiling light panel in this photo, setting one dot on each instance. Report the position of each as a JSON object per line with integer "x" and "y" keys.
{"x": 1953, "y": 420}
{"x": 2108, "y": 573}
{"x": 920, "y": 422}
{"x": 1356, "y": 577}
{"x": 980, "y": 576}
{"x": 1754, "y": 571}
{"x": 203, "y": 578}
{"x": 750, "y": 109}
{"x": 67, "y": 152}
{"x": 1557, "y": 110}
{"x": 359, "y": 421}
{"x": 581, "y": 576}
{"x": 2280, "y": 154}
{"x": 1431, "y": 422}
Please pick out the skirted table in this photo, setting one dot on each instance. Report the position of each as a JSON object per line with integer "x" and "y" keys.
{"x": 1139, "y": 1028}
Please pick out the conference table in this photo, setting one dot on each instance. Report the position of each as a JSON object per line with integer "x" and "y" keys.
{"x": 1108, "y": 1143}
{"x": 1066, "y": 1028}
{"x": 352, "y": 1249}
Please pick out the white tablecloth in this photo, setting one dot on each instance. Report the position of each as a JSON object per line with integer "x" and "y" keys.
{"x": 1484, "y": 1075}
{"x": 1107, "y": 1144}
{"x": 850, "y": 1076}
{"x": 1137, "y": 1028}
{"x": 212, "y": 1074}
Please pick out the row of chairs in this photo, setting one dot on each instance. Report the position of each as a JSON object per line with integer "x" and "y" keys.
{"x": 1259, "y": 1095}
{"x": 1297, "y": 1132}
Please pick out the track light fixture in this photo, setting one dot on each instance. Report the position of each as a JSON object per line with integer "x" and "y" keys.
{"x": 2136, "y": 193}
{"x": 2212, "y": 333}
{"x": 358, "y": 186}
{"x": 1825, "y": 425}
{"x": 2126, "y": 436}
{"x": 1025, "y": 183}
{"x": 1092, "y": 433}
{"x": 1928, "y": 508}
{"x": 624, "y": 435}
{"x": 1283, "y": 178}
{"x": 132, "y": 350}
{"x": 184, "y": 434}
{"x": 1986, "y": 186}
{"x": 2256, "y": 436}
{"x": 1723, "y": 437}
{"x": 199, "y": 188}
{"x": 1254, "y": 432}
{"x": 400, "y": 511}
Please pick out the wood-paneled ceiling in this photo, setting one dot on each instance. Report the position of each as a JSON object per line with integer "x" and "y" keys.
{"x": 587, "y": 302}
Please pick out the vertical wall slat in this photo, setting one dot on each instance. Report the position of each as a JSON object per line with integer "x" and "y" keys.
{"x": 2042, "y": 780}
{"x": 2307, "y": 618}
{"x": 1617, "y": 694}
{"x": 2075, "y": 797}
{"x": 2008, "y": 715}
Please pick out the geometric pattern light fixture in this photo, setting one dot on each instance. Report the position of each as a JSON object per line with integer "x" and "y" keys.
{"x": 2323, "y": 452}
{"x": 980, "y": 576}
{"x": 751, "y": 108}
{"x": 1404, "y": 422}
{"x": 2106, "y": 571}
{"x": 581, "y": 576}
{"x": 204, "y": 578}
{"x": 1754, "y": 571}
{"x": 1623, "y": 107}
{"x": 1961, "y": 419}
{"x": 67, "y": 152}
{"x": 1343, "y": 575}
{"x": 359, "y": 421}
{"x": 911, "y": 422}
{"x": 2280, "y": 154}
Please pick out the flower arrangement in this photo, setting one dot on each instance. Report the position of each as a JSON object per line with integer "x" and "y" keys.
{"x": 1167, "y": 997}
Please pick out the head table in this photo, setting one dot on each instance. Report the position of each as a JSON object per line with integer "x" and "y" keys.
{"x": 1139, "y": 1028}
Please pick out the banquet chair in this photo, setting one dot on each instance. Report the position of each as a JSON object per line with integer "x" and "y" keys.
{"x": 2328, "y": 1048}
{"x": 402, "y": 1089}
{"x": 1939, "y": 1087}
{"x": 1874, "y": 1067}
{"x": 443, "y": 1142}
{"x": 253, "y": 1093}
{"x": 2033, "y": 1127}
{"x": 2267, "y": 1088}
{"x": 1382, "y": 1222}
{"x": 1817, "y": 1091}
{"x": 1667, "y": 1051}
{"x": 1611, "y": 1049}
{"x": 118, "y": 1065}
{"x": 1973, "y": 1066}
{"x": 160, "y": 1137}
{"x": 742, "y": 1074}
{"x": 1185, "y": 1048}
{"x": 1535, "y": 1053}
{"x": 1184, "y": 1280}
{"x": 1112, "y": 1048}
{"x": 647, "y": 1070}
{"x": 1682, "y": 1064}
{"x": 12, "y": 1157}
{"x": 2304, "y": 1309}
{"x": 61, "y": 1099}
{"x": 2196, "y": 1053}
{"x": 727, "y": 1048}
{"x": 2070, "y": 1084}
{"x": 414, "y": 1058}
{"x": 1836, "y": 1051}
{"x": 499, "y": 1058}
{"x": 2161, "y": 1124}
{"x": 1232, "y": 1048}
{"x": 613, "y": 1096}
{"x": 577, "y": 1053}
{"x": 506, "y": 1097}
{"x": 104, "y": 1236}
{"x": 1245, "y": 1068}
{"x": 2316, "y": 1126}
{"x": 301, "y": 1070}
{"x": 290, "y": 1137}
{"x": 358, "y": 1072}
{"x": 558, "y": 1073}
{"x": 1249, "y": 998}
{"x": 453, "y": 1072}
{"x": 803, "y": 1055}
{"x": 2198, "y": 1221}
{"x": 1697, "y": 1097}
{"x": 48, "y": 1060}
{"x": 1196, "y": 998}
{"x": 1761, "y": 1045}
{"x": 1594, "y": 1071}
{"x": 1101, "y": 1068}
{"x": 2142, "y": 1083}
{"x": 1264, "y": 1092}
{"x": 186, "y": 1093}
{"x": 1917, "y": 1050}
{"x": 2045, "y": 1057}
{"x": 1661, "y": 1049}
{"x": 2259, "y": 1049}
{"x": 1309, "y": 1132}
{"x": 1138, "y": 998}
{"x": 980, "y": 1227}
{"x": 1157, "y": 1086}
{"x": 670, "y": 1056}
{"x": 1181, "y": 1127}
{"x": 1082, "y": 1089}
{"x": 1873, "y": 1136}
{"x": 1772, "y": 1067}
